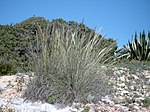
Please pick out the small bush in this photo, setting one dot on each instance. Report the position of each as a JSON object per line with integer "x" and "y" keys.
{"x": 68, "y": 68}
{"x": 7, "y": 67}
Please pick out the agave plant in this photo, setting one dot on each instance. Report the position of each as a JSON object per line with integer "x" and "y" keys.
{"x": 138, "y": 49}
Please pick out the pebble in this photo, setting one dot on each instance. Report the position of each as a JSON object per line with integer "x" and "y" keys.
{"x": 124, "y": 92}
{"x": 2, "y": 86}
{"x": 107, "y": 100}
{"x": 123, "y": 81}
{"x": 135, "y": 77}
{"x": 137, "y": 108}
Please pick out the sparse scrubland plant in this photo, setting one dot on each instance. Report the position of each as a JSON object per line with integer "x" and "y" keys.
{"x": 68, "y": 67}
{"x": 7, "y": 66}
{"x": 138, "y": 49}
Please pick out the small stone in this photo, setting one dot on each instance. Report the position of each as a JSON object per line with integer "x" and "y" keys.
{"x": 137, "y": 93}
{"x": 136, "y": 104}
{"x": 144, "y": 86}
{"x": 116, "y": 72}
{"x": 135, "y": 77}
{"x": 136, "y": 108}
{"x": 121, "y": 108}
{"x": 2, "y": 86}
{"x": 107, "y": 100}
{"x": 104, "y": 67}
{"x": 126, "y": 87}
{"x": 147, "y": 74}
{"x": 122, "y": 78}
{"x": 121, "y": 85}
{"x": 131, "y": 87}
{"x": 134, "y": 82}
{"x": 124, "y": 92}
{"x": 141, "y": 98}
{"x": 147, "y": 81}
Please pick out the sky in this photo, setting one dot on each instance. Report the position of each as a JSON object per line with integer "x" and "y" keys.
{"x": 117, "y": 19}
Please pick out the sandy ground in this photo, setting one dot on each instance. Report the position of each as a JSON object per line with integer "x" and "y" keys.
{"x": 12, "y": 88}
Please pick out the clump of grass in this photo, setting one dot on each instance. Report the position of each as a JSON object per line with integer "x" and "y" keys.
{"x": 68, "y": 67}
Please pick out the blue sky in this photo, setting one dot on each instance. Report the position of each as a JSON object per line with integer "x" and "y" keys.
{"x": 119, "y": 19}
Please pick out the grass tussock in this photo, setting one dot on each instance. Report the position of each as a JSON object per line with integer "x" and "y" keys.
{"x": 68, "y": 67}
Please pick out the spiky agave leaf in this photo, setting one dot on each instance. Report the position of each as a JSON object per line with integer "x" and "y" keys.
{"x": 138, "y": 49}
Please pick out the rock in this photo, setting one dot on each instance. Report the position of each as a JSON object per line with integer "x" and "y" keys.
{"x": 2, "y": 87}
{"x": 119, "y": 100}
{"x": 121, "y": 85}
{"x": 116, "y": 72}
{"x": 90, "y": 97}
{"x": 124, "y": 92}
{"x": 122, "y": 79}
{"x": 104, "y": 67}
{"x": 147, "y": 81}
{"x": 141, "y": 98}
{"x": 146, "y": 73}
{"x": 144, "y": 86}
{"x": 27, "y": 106}
{"x": 121, "y": 108}
{"x": 135, "y": 77}
{"x": 107, "y": 100}
{"x": 47, "y": 107}
{"x": 138, "y": 101}
{"x": 137, "y": 93}
{"x": 133, "y": 82}
{"x": 131, "y": 87}
{"x": 136, "y": 108}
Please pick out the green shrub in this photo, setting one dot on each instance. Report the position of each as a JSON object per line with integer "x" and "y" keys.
{"x": 7, "y": 67}
{"x": 13, "y": 46}
{"x": 67, "y": 68}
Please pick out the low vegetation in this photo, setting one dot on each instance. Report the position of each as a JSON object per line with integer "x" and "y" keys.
{"x": 69, "y": 67}
{"x": 7, "y": 67}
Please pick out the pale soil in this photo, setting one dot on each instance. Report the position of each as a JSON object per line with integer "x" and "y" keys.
{"x": 12, "y": 88}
